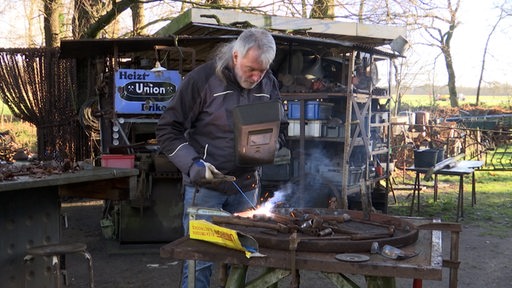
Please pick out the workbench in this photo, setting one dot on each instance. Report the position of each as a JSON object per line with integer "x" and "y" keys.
{"x": 462, "y": 168}
{"x": 30, "y": 214}
{"x": 278, "y": 264}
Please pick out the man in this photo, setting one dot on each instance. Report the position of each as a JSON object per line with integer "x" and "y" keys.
{"x": 196, "y": 131}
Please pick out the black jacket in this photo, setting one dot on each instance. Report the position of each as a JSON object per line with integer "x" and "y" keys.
{"x": 199, "y": 123}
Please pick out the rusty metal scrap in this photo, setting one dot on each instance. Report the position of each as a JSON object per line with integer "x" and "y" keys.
{"x": 322, "y": 230}
{"x": 309, "y": 224}
{"x": 36, "y": 169}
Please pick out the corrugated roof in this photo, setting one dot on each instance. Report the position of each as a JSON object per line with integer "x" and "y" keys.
{"x": 203, "y": 29}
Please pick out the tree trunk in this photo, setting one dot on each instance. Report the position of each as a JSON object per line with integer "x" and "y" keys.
{"x": 51, "y": 23}
{"x": 454, "y": 100}
{"x": 138, "y": 18}
{"x": 360, "y": 13}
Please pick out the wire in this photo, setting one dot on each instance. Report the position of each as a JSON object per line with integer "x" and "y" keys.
{"x": 243, "y": 194}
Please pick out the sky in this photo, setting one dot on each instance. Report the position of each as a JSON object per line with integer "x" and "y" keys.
{"x": 477, "y": 18}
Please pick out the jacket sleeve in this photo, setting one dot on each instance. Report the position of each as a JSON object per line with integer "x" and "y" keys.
{"x": 174, "y": 123}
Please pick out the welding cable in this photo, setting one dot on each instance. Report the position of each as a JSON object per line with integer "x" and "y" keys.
{"x": 243, "y": 194}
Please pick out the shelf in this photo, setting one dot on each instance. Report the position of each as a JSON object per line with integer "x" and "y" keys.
{"x": 381, "y": 97}
{"x": 380, "y": 151}
{"x": 379, "y": 124}
{"x": 311, "y": 96}
{"x": 310, "y": 138}
{"x": 359, "y": 114}
{"x": 358, "y": 96}
{"x": 361, "y": 98}
{"x": 356, "y": 141}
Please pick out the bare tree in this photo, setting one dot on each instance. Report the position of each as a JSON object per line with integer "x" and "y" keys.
{"x": 439, "y": 24}
{"x": 31, "y": 8}
{"x": 504, "y": 13}
{"x": 91, "y": 17}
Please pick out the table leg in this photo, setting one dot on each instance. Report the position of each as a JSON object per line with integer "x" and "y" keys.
{"x": 473, "y": 190}
{"x": 418, "y": 192}
{"x": 460, "y": 200}
{"x": 380, "y": 282}
{"x": 191, "y": 275}
{"x": 435, "y": 187}
{"x": 237, "y": 275}
{"x": 340, "y": 280}
{"x": 416, "y": 187}
{"x": 269, "y": 278}
{"x": 295, "y": 276}
{"x": 223, "y": 274}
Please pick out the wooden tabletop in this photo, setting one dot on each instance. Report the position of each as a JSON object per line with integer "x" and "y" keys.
{"x": 426, "y": 265}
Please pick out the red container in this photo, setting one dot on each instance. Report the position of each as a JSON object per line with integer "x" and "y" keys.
{"x": 118, "y": 161}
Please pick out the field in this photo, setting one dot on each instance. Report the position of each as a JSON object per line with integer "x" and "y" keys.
{"x": 413, "y": 102}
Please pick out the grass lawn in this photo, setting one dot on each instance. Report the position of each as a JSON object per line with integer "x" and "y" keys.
{"x": 493, "y": 209}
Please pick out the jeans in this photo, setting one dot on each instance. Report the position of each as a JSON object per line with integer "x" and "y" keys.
{"x": 211, "y": 199}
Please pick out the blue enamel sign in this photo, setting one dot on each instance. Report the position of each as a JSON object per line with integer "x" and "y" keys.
{"x": 144, "y": 92}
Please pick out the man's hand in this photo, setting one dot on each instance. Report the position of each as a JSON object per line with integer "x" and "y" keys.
{"x": 202, "y": 171}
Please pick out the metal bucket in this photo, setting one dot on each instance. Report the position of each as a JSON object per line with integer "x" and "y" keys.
{"x": 426, "y": 158}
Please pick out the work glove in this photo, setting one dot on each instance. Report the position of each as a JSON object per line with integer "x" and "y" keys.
{"x": 203, "y": 172}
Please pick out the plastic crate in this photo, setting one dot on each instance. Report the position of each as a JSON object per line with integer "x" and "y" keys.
{"x": 313, "y": 128}
{"x": 333, "y": 131}
{"x": 118, "y": 161}
{"x": 331, "y": 173}
{"x": 313, "y": 110}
